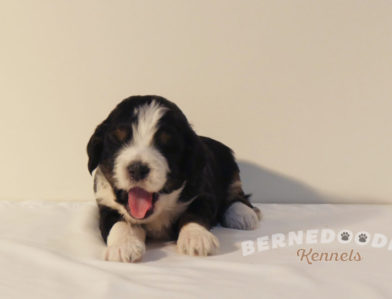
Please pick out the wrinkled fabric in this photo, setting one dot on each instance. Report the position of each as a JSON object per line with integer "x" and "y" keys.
{"x": 54, "y": 250}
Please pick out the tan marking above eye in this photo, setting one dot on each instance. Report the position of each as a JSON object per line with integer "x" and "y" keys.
{"x": 121, "y": 134}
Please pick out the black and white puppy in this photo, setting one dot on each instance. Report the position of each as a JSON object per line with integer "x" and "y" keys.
{"x": 155, "y": 178}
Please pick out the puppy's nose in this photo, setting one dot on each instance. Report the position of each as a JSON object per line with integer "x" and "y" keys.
{"x": 138, "y": 171}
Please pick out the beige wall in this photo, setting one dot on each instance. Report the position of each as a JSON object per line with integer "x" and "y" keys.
{"x": 301, "y": 90}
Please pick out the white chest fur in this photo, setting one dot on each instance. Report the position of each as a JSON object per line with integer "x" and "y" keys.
{"x": 167, "y": 211}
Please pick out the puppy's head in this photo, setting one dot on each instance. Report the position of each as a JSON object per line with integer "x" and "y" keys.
{"x": 147, "y": 151}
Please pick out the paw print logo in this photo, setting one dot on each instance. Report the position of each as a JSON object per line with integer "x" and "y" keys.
{"x": 362, "y": 238}
{"x": 345, "y": 236}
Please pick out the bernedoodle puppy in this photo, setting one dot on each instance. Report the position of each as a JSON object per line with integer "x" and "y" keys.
{"x": 155, "y": 178}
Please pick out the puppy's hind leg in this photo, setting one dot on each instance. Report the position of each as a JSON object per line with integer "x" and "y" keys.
{"x": 240, "y": 214}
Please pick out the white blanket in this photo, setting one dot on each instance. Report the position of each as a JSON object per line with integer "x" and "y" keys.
{"x": 54, "y": 250}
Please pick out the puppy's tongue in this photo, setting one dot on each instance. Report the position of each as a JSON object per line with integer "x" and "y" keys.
{"x": 139, "y": 202}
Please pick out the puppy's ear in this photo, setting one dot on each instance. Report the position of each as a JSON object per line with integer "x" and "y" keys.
{"x": 95, "y": 147}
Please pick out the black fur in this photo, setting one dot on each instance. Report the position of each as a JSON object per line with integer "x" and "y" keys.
{"x": 207, "y": 166}
{"x": 108, "y": 217}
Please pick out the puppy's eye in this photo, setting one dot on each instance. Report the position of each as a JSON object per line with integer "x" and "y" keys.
{"x": 165, "y": 138}
{"x": 119, "y": 135}
{"x": 168, "y": 141}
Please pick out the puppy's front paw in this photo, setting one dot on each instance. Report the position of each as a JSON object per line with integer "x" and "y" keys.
{"x": 195, "y": 239}
{"x": 131, "y": 250}
{"x": 125, "y": 243}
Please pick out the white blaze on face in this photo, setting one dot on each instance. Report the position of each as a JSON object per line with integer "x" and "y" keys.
{"x": 140, "y": 148}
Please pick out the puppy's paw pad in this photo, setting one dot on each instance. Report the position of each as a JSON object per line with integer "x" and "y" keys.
{"x": 240, "y": 216}
{"x": 195, "y": 240}
{"x": 130, "y": 251}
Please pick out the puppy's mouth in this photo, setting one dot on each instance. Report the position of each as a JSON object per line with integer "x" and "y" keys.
{"x": 141, "y": 202}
